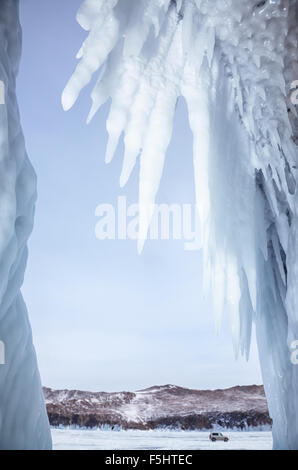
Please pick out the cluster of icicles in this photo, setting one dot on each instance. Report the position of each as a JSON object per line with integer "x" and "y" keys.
{"x": 233, "y": 62}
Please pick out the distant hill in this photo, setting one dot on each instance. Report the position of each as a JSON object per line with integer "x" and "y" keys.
{"x": 170, "y": 406}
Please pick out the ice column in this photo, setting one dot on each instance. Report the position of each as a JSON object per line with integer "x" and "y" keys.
{"x": 23, "y": 419}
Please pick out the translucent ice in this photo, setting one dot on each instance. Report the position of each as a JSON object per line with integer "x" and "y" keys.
{"x": 23, "y": 418}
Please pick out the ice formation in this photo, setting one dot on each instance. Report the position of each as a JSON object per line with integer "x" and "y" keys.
{"x": 233, "y": 61}
{"x": 23, "y": 418}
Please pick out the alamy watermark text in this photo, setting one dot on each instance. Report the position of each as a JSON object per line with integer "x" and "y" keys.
{"x": 169, "y": 221}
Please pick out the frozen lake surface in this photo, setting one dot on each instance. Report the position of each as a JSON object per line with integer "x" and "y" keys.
{"x": 77, "y": 439}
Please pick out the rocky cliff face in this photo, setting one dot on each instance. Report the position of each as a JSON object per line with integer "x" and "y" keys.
{"x": 160, "y": 406}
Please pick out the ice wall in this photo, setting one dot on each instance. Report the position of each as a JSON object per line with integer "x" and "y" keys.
{"x": 23, "y": 419}
{"x": 233, "y": 61}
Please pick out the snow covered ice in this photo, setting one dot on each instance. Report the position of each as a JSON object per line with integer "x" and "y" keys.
{"x": 78, "y": 439}
{"x": 233, "y": 62}
{"x": 23, "y": 419}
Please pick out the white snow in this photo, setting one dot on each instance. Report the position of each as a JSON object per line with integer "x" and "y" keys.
{"x": 74, "y": 439}
{"x": 23, "y": 419}
{"x": 234, "y": 62}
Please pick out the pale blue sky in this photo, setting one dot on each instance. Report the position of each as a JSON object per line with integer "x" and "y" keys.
{"x": 103, "y": 317}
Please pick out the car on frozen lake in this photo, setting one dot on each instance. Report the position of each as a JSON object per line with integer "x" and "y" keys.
{"x": 217, "y": 436}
